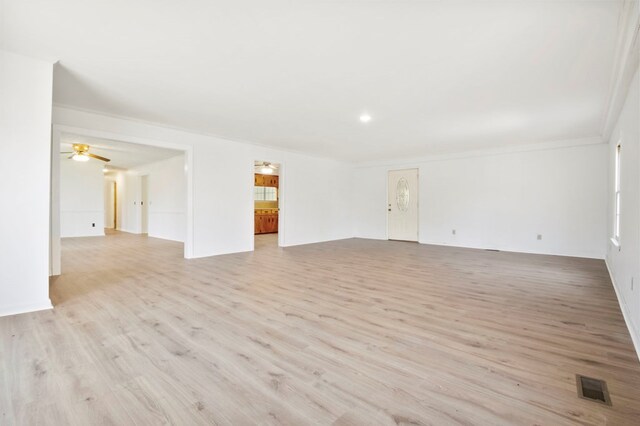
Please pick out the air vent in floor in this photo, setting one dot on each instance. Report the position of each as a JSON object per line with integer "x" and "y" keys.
{"x": 593, "y": 389}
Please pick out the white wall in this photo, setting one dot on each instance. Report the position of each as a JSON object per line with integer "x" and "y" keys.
{"x": 81, "y": 198}
{"x": 501, "y": 200}
{"x": 167, "y": 195}
{"x": 624, "y": 261}
{"x": 25, "y": 129}
{"x": 316, "y": 193}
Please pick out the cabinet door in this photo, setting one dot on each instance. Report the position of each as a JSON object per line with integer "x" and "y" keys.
{"x": 272, "y": 225}
{"x": 256, "y": 224}
{"x": 258, "y": 180}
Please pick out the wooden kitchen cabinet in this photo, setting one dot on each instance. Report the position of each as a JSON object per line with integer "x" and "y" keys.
{"x": 266, "y": 221}
{"x": 266, "y": 180}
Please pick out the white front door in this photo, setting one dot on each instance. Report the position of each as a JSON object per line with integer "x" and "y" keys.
{"x": 402, "y": 205}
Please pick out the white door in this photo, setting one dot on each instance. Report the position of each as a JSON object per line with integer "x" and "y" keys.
{"x": 144, "y": 204}
{"x": 402, "y": 205}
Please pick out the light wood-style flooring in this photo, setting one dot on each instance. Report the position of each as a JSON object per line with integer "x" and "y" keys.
{"x": 352, "y": 332}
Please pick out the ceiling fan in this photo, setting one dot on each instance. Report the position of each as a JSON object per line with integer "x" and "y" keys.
{"x": 266, "y": 168}
{"x": 81, "y": 153}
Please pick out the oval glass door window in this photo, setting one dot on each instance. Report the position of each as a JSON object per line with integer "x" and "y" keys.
{"x": 402, "y": 195}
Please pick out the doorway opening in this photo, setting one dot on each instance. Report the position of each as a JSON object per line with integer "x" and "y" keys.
{"x": 266, "y": 208}
{"x": 121, "y": 189}
{"x": 110, "y": 203}
{"x": 402, "y": 205}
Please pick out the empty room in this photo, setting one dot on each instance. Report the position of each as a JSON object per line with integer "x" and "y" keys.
{"x": 327, "y": 212}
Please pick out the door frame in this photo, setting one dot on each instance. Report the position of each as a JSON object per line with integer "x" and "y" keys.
{"x": 55, "y": 255}
{"x": 144, "y": 209}
{"x": 417, "y": 169}
{"x": 281, "y": 201}
{"x": 115, "y": 205}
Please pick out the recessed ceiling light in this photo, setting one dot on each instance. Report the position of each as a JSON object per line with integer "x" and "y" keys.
{"x": 365, "y": 118}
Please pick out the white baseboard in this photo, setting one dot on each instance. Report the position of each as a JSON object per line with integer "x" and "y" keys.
{"x": 166, "y": 238}
{"x": 23, "y": 309}
{"x": 635, "y": 337}
{"x": 128, "y": 231}
{"x": 92, "y": 234}
{"x": 583, "y": 255}
{"x": 328, "y": 240}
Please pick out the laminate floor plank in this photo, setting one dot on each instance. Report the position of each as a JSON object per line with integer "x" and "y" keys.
{"x": 351, "y": 332}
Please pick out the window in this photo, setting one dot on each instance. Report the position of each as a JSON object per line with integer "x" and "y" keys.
{"x": 616, "y": 218}
{"x": 265, "y": 193}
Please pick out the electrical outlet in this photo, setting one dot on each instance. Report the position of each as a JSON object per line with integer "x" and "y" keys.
{"x": 539, "y": 236}
{"x": 453, "y": 232}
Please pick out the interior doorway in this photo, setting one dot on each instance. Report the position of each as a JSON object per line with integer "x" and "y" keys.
{"x": 144, "y": 204}
{"x": 266, "y": 208}
{"x": 110, "y": 203}
{"x": 96, "y": 189}
{"x": 402, "y": 205}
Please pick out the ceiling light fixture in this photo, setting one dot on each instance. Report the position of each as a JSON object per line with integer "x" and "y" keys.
{"x": 267, "y": 168}
{"x": 80, "y": 157}
{"x": 365, "y": 118}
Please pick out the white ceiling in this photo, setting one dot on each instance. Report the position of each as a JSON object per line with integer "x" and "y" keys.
{"x": 123, "y": 155}
{"x": 436, "y": 76}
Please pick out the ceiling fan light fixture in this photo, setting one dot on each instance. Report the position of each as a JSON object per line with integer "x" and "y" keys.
{"x": 266, "y": 170}
{"x": 80, "y": 157}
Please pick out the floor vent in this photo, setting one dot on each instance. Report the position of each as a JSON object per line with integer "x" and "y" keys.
{"x": 593, "y": 389}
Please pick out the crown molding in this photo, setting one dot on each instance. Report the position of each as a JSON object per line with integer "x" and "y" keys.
{"x": 626, "y": 60}
{"x": 486, "y": 152}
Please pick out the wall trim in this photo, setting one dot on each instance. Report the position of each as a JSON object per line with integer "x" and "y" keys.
{"x": 23, "y": 309}
{"x": 635, "y": 337}
{"x": 318, "y": 241}
{"x": 515, "y": 250}
{"x": 219, "y": 253}
{"x": 487, "y": 152}
{"x": 625, "y": 64}
{"x": 97, "y": 234}
{"x": 504, "y": 249}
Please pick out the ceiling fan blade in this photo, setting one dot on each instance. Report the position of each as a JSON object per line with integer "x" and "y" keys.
{"x": 71, "y": 156}
{"x": 68, "y": 152}
{"x": 97, "y": 157}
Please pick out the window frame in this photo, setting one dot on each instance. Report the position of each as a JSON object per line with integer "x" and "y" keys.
{"x": 260, "y": 193}
{"x": 617, "y": 193}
